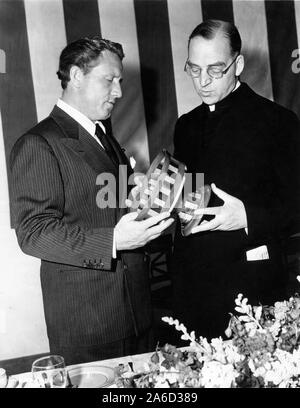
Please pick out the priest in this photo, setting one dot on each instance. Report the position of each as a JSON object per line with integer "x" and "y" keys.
{"x": 247, "y": 147}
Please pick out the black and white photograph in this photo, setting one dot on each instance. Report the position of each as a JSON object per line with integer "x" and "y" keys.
{"x": 149, "y": 196}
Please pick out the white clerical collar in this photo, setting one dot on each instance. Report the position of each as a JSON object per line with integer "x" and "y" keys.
{"x": 83, "y": 120}
{"x": 212, "y": 108}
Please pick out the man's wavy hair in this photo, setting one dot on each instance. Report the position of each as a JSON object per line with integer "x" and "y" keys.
{"x": 208, "y": 29}
{"x": 84, "y": 53}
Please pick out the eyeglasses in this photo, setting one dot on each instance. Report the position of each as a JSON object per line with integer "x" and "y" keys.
{"x": 214, "y": 71}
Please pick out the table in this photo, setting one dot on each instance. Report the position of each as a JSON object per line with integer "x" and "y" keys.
{"x": 139, "y": 364}
{"x": 139, "y": 361}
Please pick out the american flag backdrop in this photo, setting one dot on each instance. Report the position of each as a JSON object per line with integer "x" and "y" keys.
{"x": 156, "y": 90}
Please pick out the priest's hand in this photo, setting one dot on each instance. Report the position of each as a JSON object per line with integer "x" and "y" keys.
{"x": 228, "y": 217}
{"x": 131, "y": 234}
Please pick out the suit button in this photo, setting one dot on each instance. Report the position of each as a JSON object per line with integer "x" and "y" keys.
{"x": 125, "y": 266}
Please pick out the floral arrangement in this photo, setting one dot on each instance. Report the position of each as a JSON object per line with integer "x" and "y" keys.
{"x": 262, "y": 351}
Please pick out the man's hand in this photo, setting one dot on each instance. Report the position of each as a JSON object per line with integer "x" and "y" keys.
{"x": 131, "y": 234}
{"x": 230, "y": 216}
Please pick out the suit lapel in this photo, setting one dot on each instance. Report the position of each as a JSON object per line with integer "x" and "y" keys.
{"x": 120, "y": 152}
{"x": 123, "y": 159}
{"x": 79, "y": 140}
{"x": 94, "y": 154}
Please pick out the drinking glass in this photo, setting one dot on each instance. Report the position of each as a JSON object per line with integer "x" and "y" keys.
{"x": 49, "y": 372}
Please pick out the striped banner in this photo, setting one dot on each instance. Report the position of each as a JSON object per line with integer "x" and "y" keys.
{"x": 282, "y": 43}
{"x": 157, "y": 73}
{"x": 154, "y": 34}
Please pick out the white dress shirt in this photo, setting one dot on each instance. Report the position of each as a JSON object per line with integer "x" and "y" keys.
{"x": 83, "y": 120}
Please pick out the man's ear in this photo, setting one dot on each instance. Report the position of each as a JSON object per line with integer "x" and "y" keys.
{"x": 76, "y": 76}
{"x": 239, "y": 65}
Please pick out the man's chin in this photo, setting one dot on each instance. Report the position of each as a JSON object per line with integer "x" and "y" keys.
{"x": 105, "y": 115}
{"x": 209, "y": 100}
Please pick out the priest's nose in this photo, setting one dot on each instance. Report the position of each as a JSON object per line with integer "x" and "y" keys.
{"x": 204, "y": 78}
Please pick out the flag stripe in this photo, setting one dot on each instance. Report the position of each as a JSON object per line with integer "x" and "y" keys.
{"x": 184, "y": 16}
{"x": 286, "y": 88}
{"x": 129, "y": 125}
{"x": 250, "y": 19}
{"x": 297, "y": 16}
{"x": 81, "y": 19}
{"x": 45, "y": 20}
{"x": 18, "y": 107}
{"x": 217, "y": 9}
{"x": 156, "y": 72}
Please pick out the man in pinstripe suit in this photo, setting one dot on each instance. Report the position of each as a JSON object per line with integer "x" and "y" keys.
{"x": 93, "y": 268}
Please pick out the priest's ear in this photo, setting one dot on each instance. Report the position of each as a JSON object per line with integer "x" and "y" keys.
{"x": 239, "y": 66}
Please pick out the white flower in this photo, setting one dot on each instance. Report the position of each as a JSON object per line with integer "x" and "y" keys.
{"x": 280, "y": 309}
{"x": 232, "y": 354}
{"x": 258, "y": 312}
{"x": 161, "y": 383}
{"x": 275, "y": 329}
{"x": 171, "y": 375}
{"x": 280, "y": 368}
{"x": 217, "y": 375}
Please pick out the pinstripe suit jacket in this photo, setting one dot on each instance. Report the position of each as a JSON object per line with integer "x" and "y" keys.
{"x": 89, "y": 297}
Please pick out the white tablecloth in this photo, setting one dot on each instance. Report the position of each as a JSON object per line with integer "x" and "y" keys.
{"x": 138, "y": 360}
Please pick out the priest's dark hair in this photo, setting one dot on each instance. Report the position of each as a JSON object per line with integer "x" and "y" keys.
{"x": 209, "y": 28}
{"x": 84, "y": 53}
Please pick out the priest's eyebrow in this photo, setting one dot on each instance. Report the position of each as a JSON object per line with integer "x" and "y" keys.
{"x": 215, "y": 64}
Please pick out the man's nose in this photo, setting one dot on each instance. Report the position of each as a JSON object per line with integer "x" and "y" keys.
{"x": 204, "y": 78}
{"x": 117, "y": 90}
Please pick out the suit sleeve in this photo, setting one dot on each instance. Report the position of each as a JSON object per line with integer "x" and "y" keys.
{"x": 38, "y": 199}
{"x": 282, "y": 218}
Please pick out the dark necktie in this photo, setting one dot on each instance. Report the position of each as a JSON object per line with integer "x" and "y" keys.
{"x": 107, "y": 144}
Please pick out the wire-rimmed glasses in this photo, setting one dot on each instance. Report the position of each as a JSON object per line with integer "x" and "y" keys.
{"x": 213, "y": 71}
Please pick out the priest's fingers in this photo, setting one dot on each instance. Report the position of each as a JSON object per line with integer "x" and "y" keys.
{"x": 208, "y": 210}
{"x": 221, "y": 193}
{"x": 208, "y": 226}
